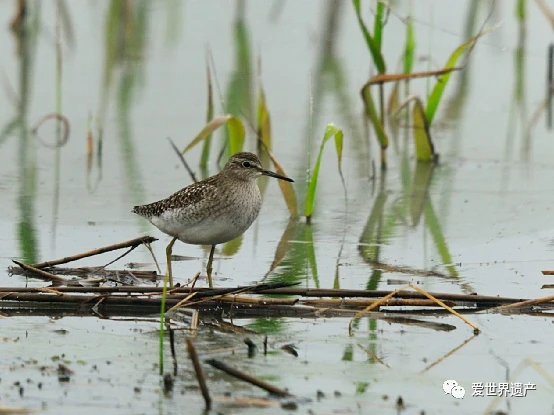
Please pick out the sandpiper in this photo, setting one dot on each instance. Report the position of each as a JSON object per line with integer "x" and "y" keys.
{"x": 213, "y": 211}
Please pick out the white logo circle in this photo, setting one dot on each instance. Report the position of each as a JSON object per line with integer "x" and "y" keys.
{"x": 448, "y": 385}
{"x": 458, "y": 392}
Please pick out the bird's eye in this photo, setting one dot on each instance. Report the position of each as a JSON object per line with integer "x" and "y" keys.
{"x": 246, "y": 164}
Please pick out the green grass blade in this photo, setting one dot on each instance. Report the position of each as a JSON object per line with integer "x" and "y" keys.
{"x": 372, "y": 45}
{"x": 330, "y": 131}
{"x": 209, "y": 115}
{"x": 371, "y": 113}
{"x": 236, "y": 135}
{"x": 339, "y": 138}
{"x": 442, "y": 81}
{"x": 392, "y": 107}
{"x": 378, "y": 24}
{"x": 409, "y": 49}
{"x": 520, "y": 9}
{"x": 264, "y": 122}
{"x": 425, "y": 150}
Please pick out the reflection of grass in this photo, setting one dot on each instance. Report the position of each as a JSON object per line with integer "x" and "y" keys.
{"x": 297, "y": 256}
{"x": 268, "y": 325}
{"x": 26, "y": 158}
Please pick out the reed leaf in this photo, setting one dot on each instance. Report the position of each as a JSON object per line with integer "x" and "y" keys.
{"x": 436, "y": 94}
{"x": 286, "y": 188}
{"x": 373, "y": 46}
{"x": 236, "y": 135}
{"x": 264, "y": 123}
{"x": 371, "y": 113}
{"x": 209, "y": 115}
{"x": 330, "y": 131}
{"x": 425, "y": 151}
{"x": 378, "y": 24}
{"x": 409, "y": 49}
{"x": 235, "y": 128}
{"x": 392, "y": 108}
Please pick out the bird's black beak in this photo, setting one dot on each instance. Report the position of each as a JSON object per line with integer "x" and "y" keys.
{"x": 277, "y": 176}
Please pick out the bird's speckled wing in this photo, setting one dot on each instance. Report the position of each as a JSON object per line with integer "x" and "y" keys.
{"x": 189, "y": 200}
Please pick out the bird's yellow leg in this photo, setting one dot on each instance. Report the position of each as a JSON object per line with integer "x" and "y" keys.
{"x": 168, "y": 251}
{"x": 209, "y": 267}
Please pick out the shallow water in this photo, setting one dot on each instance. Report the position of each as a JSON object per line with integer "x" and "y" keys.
{"x": 491, "y": 196}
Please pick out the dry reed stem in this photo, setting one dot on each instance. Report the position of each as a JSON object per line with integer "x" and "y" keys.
{"x": 372, "y": 306}
{"x": 83, "y": 272}
{"x": 393, "y": 302}
{"x": 443, "y": 305}
{"x": 520, "y": 304}
{"x": 274, "y": 390}
{"x": 43, "y": 274}
{"x": 127, "y": 244}
{"x": 281, "y": 289}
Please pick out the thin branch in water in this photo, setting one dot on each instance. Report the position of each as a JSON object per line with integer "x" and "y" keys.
{"x": 172, "y": 346}
{"x": 182, "y": 158}
{"x": 274, "y": 390}
{"x": 199, "y": 374}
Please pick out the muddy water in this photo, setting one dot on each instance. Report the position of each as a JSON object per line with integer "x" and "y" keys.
{"x": 481, "y": 220}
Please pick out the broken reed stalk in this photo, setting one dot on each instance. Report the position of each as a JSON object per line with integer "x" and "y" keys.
{"x": 47, "y": 276}
{"x": 372, "y": 306}
{"x": 199, "y": 374}
{"x": 391, "y": 302}
{"x": 248, "y": 378}
{"x": 251, "y": 288}
{"x": 520, "y": 304}
{"x": 133, "y": 243}
{"x": 421, "y": 291}
{"x": 84, "y": 272}
{"x": 450, "y": 309}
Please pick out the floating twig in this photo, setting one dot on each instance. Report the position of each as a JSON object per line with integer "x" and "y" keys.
{"x": 248, "y": 378}
{"x": 199, "y": 374}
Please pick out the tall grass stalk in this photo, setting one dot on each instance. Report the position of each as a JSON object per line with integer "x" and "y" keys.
{"x": 209, "y": 115}
{"x": 330, "y": 131}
